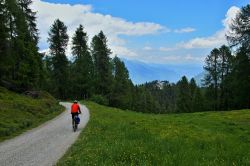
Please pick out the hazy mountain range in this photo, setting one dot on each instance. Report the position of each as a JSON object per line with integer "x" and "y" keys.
{"x": 141, "y": 72}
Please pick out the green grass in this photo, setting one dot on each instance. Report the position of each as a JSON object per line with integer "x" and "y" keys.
{"x": 116, "y": 137}
{"x": 19, "y": 113}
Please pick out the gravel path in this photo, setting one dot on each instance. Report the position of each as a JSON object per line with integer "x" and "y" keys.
{"x": 43, "y": 145}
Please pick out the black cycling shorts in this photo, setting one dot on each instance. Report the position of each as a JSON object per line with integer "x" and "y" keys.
{"x": 74, "y": 114}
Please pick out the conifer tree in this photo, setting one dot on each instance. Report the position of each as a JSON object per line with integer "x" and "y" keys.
{"x": 82, "y": 67}
{"x": 183, "y": 101}
{"x": 240, "y": 29}
{"x": 240, "y": 79}
{"x": 198, "y": 103}
{"x": 58, "y": 40}
{"x": 21, "y": 60}
{"x": 121, "y": 92}
{"x": 103, "y": 67}
{"x": 30, "y": 17}
{"x": 225, "y": 67}
{"x": 193, "y": 88}
{"x": 212, "y": 77}
{"x": 3, "y": 40}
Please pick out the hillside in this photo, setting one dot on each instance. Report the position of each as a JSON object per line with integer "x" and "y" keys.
{"x": 116, "y": 137}
{"x": 19, "y": 112}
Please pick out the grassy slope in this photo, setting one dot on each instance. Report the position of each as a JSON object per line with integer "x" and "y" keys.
{"x": 116, "y": 137}
{"x": 19, "y": 113}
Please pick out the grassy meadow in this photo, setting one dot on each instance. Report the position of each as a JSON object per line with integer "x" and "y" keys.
{"x": 117, "y": 137}
{"x": 19, "y": 113}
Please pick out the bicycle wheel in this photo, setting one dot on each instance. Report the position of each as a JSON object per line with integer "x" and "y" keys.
{"x": 74, "y": 124}
{"x": 74, "y": 128}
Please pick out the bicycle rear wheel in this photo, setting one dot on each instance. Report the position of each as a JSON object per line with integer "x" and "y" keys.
{"x": 74, "y": 128}
{"x": 74, "y": 125}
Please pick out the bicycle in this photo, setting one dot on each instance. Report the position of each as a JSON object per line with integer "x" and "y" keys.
{"x": 76, "y": 121}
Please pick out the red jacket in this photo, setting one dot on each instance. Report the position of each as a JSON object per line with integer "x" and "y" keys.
{"x": 75, "y": 108}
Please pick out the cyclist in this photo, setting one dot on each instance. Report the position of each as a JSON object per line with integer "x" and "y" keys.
{"x": 75, "y": 110}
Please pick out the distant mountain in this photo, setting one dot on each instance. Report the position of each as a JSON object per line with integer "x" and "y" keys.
{"x": 141, "y": 72}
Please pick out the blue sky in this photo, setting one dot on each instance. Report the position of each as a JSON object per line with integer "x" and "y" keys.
{"x": 155, "y": 32}
{"x": 171, "y": 13}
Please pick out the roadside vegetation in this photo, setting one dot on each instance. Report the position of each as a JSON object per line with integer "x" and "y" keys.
{"x": 19, "y": 113}
{"x": 117, "y": 137}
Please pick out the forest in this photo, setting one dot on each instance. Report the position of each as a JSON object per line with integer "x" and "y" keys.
{"x": 93, "y": 75}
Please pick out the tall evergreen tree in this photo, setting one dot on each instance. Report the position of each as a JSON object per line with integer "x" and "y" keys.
{"x": 83, "y": 67}
{"x": 30, "y": 17}
{"x": 197, "y": 98}
{"x": 225, "y": 67}
{"x": 47, "y": 79}
{"x": 11, "y": 60}
{"x": 198, "y": 102}
{"x": 121, "y": 92}
{"x": 240, "y": 79}
{"x": 239, "y": 38}
{"x": 21, "y": 58}
{"x": 58, "y": 40}
{"x": 102, "y": 63}
{"x": 193, "y": 87}
{"x": 212, "y": 77}
{"x": 240, "y": 29}
{"x": 3, "y": 40}
{"x": 183, "y": 101}
{"x": 31, "y": 66}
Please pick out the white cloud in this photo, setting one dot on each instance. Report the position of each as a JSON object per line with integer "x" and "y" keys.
{"x": 123, "y": 51}
{"x": 230, "y": 16}
{"x": 217, "y": 39}
{"x": 73, "y": 15}
{"x": 183, "y": 58}
{"x": 114, "y": 28}
{"x": 46, "y": 51}
{"x": 184, "y": 30}
{"x": 167, "y": 48}
{"x": 176, "y": 59}
{"x": 147, "y": 48}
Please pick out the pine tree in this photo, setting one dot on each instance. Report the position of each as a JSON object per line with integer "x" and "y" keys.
{"x": 83, "y": 67}
{"x": 30, "y": 70}
{"x": 240, "y": 29}
{"x": 21, "y": 57}
{"x": 11, "y": 60}
{"x": 46, "y": 80}
{"x": 102, "y": 62}
{"x": 30, "y": 17}
{"x": 212, "y": 77}
{"x": 3, "y": 40}
{"x": 121, "y": 92}
{"x": 183, "y": 101}
{"x": 193, "y": 88}
{"x": 198, "y": 103}
{"x": 225, "y": 67}
{"x": 58, "y": 40}
{"x": 240, "y": 79}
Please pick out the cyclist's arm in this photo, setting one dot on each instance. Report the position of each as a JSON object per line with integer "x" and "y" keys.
{"x": 79, "y": 110}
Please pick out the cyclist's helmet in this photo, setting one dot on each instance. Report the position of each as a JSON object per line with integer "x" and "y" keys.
{"x": 75, "y": 101}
